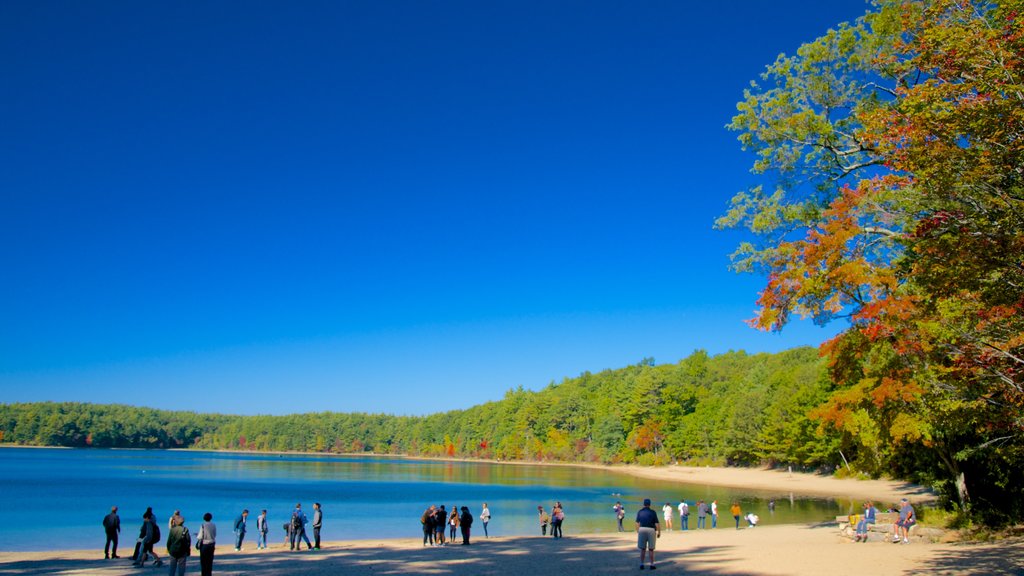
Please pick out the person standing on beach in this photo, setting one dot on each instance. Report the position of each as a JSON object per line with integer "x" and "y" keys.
{"x": 702, "y": 515}
{"x": 318, "y": 521}
{"x": 557, "y": 516}
{"x": 170, "y": 521}
{"x": 667, "y": 511}
{"x": 207, "y": 543}
{"x": 112, "y": 527}
{"x": 179, "y": 545}
{"x": 465, "y": 523}
{"x": 736, "y": 513}
{"x": 440, "y": 524}
{"x": 453, "y": 523}
{"x": 684, "y": 515}
{"x": 714, "y": 513}
{"x": 544, "y": 519}
{"x": 620, "y": 514}
{"x": 261, "y": 530}
{"x": 240, "y": 529}
{"x": 427, "y": 520}
{"x": 299, "y": 522}
{"x": 647, "y": 531}
{"x": 485, "y": 517}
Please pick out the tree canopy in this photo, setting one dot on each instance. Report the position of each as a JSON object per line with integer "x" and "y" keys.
{"x": 733, "y": 408}
{"x": 893, "y": 148}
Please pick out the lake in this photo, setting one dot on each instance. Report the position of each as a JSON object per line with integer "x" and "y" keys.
{"x": 56, "y": 498}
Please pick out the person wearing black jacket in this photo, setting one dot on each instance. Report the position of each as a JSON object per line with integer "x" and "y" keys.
{"x": 465, "y": 522}
{"x": 112, "y": 526}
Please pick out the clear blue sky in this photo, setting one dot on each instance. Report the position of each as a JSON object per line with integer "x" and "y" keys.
{"x": 383, "y": 206}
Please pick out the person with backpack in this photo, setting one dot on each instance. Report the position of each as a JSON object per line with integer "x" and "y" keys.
{"x": 299, "y": 529}
{"x": 427, "y": 520}
{"x": 149, "y": 534}
{"x": 261, "y": 530}
{"x": 179, "y": 545}
{"x": 240, "y": 529}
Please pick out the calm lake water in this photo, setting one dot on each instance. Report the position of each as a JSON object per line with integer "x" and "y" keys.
{"x": 55, "y": 498}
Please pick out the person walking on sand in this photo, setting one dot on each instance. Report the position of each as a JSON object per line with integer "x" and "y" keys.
{"x": 240, "y": 529}
{"x": 544, "y": 520}
{"x": 261, "y": 531}
{"x": 736, "y": 513}
{"x": 620, "y": 514}
{"x": 112, "y": 527}
{"x": 667, "y": 511}
{"x": 684, "y": 515}
{"x": 207, "y": 543}
{"x": 299, "y": 522}
{"x": 465, "y": 523}
{"x": 149, "y": 535}
{"x": 485, "y": 518}
{"x": 179, "y": 545}
{"x": 714, "y": 513}
{"x": 702, "y": 515}
{"x": 647, "y": 532}
{"x": 318, "y": 521}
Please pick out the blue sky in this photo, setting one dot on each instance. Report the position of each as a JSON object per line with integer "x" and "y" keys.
{"x": 382, "y": 206}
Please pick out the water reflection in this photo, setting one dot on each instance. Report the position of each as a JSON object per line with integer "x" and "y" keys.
{"x": 79, "y": 486}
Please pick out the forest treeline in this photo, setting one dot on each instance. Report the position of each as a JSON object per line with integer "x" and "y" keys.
{"x": 733, "y": 408}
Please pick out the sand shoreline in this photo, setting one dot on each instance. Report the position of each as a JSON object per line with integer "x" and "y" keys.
{"x": 757, "y": 478}
{"x": 765, "y": 550}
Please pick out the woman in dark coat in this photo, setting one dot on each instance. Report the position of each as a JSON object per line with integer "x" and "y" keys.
{"x": 465, "y": 522}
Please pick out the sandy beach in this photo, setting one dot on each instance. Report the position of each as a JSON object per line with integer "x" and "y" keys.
{"x": 765, "y": 550}
{"x": 782, "y": 481}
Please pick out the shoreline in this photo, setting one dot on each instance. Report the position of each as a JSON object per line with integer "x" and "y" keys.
{"x": 754, "y": 478}
{"x": 766, "y": 550}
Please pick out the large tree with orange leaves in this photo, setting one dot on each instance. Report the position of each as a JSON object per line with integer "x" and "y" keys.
{"x": 895, "y": 145}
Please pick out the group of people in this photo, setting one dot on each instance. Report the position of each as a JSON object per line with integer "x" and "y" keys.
{"x": 436, "y": 520}
{"x": 554, "y": 519}
{"x": 900, "y": 529}
{"x": 704, "y": 510}
{"x": 179, "y": 539}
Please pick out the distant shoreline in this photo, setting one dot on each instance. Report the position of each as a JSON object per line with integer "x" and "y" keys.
{"x": 760, "y": 478}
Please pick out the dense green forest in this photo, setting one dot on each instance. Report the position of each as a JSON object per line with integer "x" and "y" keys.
{"x": 732, "y": 408}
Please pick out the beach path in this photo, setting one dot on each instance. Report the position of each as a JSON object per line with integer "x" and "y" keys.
{"x": 765, "y": 550}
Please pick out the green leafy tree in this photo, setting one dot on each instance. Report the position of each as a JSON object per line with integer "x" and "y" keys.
{"x": 895, "y": 147}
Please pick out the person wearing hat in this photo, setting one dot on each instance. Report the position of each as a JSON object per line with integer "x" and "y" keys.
{"x": 902, "y": 526}
{"x": 648, "y": 531}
